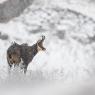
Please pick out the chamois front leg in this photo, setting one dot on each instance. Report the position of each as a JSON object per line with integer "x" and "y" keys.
{"x": 24, "y": 67}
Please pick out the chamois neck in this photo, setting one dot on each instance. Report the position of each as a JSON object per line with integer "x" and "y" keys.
{"x": 34, "y": 49}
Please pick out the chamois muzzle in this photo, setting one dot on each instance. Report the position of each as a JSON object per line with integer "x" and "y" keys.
{"x": 40, "y": 44}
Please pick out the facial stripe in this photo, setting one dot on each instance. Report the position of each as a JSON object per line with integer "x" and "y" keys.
{"x": 39, "y": 48}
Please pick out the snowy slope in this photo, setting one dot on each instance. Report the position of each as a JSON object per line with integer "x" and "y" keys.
{"x": 69, "y": 27}
{"x": 69, "y": 40}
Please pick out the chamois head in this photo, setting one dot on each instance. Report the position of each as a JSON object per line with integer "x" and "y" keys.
{"x": 40, "y": 46}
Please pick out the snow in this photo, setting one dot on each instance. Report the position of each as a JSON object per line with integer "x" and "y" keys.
{"x": 67, "y": 53}
{"x": 69, "y": 27}
{"x": 2, "y": 1}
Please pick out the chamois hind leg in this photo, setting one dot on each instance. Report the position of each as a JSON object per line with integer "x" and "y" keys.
{"x": 9, "y": 68}
{"x": 9, "y": 65}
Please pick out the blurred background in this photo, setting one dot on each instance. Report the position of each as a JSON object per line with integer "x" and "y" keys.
{"x": 69, "y": 27}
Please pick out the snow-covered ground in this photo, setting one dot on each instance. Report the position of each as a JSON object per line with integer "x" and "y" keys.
{"x": 69, "y": 27}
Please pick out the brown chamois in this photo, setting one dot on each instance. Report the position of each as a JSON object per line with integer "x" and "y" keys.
{"x": 23, "y": 54}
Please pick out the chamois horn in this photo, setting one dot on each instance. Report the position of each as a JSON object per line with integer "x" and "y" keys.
{"x": 43, "y": 37}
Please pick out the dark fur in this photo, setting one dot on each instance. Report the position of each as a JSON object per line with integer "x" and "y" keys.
{"x": 17, "y": 52}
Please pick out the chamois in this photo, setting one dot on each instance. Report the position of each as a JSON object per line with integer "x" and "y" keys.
{"x": 23, "y": 54}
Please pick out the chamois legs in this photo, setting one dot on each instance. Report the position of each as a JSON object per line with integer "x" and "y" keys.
{"x": 25, "y": 68}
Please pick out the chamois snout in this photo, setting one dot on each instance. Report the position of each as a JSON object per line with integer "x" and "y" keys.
{"x": 40, "y": 44}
